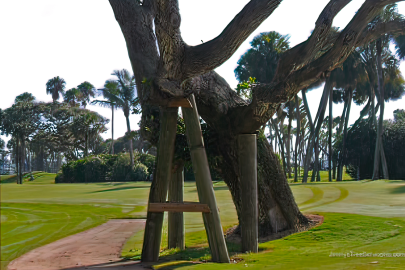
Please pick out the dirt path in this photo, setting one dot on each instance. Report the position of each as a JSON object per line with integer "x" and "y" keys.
{"x": 97, "y": 248}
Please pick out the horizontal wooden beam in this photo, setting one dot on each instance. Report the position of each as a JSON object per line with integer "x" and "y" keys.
{"x": 179, "y": 207}
{"x": 182, "y": 102}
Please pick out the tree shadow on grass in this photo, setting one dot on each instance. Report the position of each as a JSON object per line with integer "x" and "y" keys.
{"x": 116, "y": 189}
{"x": 176, "y": 258}
{"x": 215, "y": 189}
{"x": 398, "y": 190}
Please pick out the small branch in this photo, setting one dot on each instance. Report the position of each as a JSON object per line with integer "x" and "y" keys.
{"x": 209, "y": 55}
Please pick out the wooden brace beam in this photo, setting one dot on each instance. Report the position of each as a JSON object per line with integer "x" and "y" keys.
{"x": 179, "y": 207}
{"x": 183, "y": 102}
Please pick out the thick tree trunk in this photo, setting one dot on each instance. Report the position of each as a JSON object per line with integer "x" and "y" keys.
{"x": 277, "y": 208}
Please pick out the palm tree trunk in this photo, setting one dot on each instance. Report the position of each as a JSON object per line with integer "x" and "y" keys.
{"x": 112, "y": 129}
{"x": 297, "y": 139}
{"x": 22, "y": 159}
{"x": 374, "y": 121}
{"x": 339, "y": 131}
{"x": 281, "y": 144}
{"x": 330, "y": 127}
{"x": 379, "y": 146}
{"x": 343, "y": 152}
{"x": 17, "y": 158}
{"x": 311, "y": 125}
{"x": 288, "y": 141}
{"x": 131, "y": 150}
{"x": 315, "y": 133}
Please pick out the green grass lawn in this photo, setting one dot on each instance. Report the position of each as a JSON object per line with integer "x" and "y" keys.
{"x": 360, "y": 216}
{"x": 39, "y": 212}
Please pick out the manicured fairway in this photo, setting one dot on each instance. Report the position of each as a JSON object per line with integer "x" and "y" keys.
{"x": 378, "y": 231}
{"x": 40, "y": 212}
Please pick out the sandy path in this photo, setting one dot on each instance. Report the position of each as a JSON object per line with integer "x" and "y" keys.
{"x": 97, "y": 248}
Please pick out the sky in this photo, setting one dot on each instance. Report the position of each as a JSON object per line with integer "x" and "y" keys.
{"x": 80, "y": 40}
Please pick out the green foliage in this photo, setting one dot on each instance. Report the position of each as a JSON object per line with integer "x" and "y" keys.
{"x": 361, "y": 146}
{"x": 107, "y": 168}
{"x": 399, "y": 115}
{"x": 243, "y": 89}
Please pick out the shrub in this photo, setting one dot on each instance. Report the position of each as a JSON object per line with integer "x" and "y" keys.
{"x": 102, "y": 168}
{"x": 361, "y": 144}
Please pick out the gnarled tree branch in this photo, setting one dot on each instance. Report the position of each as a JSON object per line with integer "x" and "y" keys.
{"x": 395, "y": 28}
{"x": 303, "y": 53}
{"x": 288, "y": 85}
{"x": 209, "y": 55}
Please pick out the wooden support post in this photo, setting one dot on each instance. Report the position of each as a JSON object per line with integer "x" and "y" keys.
{"x": 205, "y": 189}
{"x": 158, "y": 189}
{"x": 247, "y": 148}
{"x": 176, "y": 219}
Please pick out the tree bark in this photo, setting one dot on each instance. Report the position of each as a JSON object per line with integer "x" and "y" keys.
{"x": 169, "y": 68}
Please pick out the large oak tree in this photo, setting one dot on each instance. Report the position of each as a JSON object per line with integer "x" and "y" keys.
{"x": 165, "y": 67}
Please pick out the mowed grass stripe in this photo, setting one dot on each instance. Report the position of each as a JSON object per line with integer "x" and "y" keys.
{"x": 343, "y": 195}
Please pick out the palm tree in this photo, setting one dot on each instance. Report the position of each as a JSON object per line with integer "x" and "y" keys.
{"x": 71, "y": 97}
{"x": 390, "y": 13}
{"x": 55, "y": 87}
{"x": 108, "y": 95}
{"x": 121, "y": 92}
{"x": 85, "y": 91}
{"x": 261, "y": 60}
